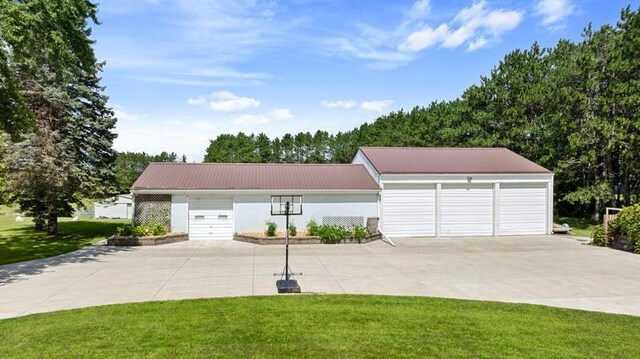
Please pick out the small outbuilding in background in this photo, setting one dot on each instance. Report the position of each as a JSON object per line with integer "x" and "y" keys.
{"x": 120, "y": 206}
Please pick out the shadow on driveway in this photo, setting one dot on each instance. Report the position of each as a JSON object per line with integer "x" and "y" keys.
{"x": 10, "y": 273}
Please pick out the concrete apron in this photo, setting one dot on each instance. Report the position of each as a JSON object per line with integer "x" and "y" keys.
{"x": 549, "y": 270}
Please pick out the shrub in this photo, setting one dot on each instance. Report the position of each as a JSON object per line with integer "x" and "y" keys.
{"x": 360, "y": 232}
{"x": 599, "y": 236}
{"x": 312, "y": 228}
{"x": 627, "y": 223}
{"x": 271, "y": 229}
{"x": 293, "y": 231}
{"x": 125, "y": 230}
{"x": 333, "y": 234}
{"x": 159, "y": 230}
{"x": 142, "y": 230}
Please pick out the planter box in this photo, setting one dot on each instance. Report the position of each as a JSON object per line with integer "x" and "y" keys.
{"x": 299, "y": 240}
{"x": 147, "y": 241}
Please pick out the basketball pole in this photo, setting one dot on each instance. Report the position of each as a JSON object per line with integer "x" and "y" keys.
{"x": 286, "y": 241}
{"x": 288, "y": 284}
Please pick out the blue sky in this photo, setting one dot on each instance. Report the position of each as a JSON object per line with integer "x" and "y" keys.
{"x": 181, "y": 72}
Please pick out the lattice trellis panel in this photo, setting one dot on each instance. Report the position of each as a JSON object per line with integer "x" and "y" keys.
{"x": 151, "y": 209}
{"x": 346, "y": 221}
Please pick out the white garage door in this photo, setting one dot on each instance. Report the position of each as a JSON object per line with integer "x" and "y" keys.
{"x": 211, "y": 218}
{"x": 466, "y": 210}
{"x": 409, "y": 210}
{"x": 523, "y": 209}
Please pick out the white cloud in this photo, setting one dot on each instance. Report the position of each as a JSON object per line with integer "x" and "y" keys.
{"x": 478, "y": 24}
{"x": 419, "y": 9}
{"x": 425, "y": 38}
{"x": 196, "y": 101}
{"x": 281, "y": 114}
{"x": 376, "y": 106}
{"x": 345, "y": 104}
{"x": 475, "y": 26}
{"x": 554, "y": 12}
{"x": 250, "y": 120}
{"x": 231, "y": 74}
{"x": 225, "y": 101}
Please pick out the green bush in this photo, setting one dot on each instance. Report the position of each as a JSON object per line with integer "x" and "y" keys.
{"x": 293, "y": 230}
{"x": 142, "y": 230}
{"x": 271, "y": 229}
{"x": 125, "y": 230}
{"x": 312, "y": 228}
{"x": 627, "y": 223}
{"x": 599, "y": 236}
{"x": 333, "y": 234}
{"x": 159, "y": 230}
{"x": 360, "y": 232}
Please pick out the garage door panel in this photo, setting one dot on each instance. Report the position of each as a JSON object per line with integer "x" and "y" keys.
{"x": 211, "y": 218}
{"x": 408, "y": 210}
{"x": 466, "y": 210}
{"x": 523, "y": 209}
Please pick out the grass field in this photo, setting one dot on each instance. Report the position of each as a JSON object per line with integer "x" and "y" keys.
{"x": 581, "y": 227}
{"x": 19, "y": 242}
{"x": 321, "y": 326}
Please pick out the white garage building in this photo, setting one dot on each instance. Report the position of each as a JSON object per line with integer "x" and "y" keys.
{"x": 459, "y": 191}
{"x": 214, "y": 201}
{"x": 415, "y": 192}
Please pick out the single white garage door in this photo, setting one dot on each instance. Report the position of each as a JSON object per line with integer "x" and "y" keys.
{"x": 523, "y": 209}
{"x": 466, "y": 210}
{"x": 211, "y": 218}
{"x": 409, "y": 210}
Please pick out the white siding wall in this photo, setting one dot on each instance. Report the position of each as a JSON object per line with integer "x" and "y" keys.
{"x": 179, "y": 213}
{"x": 252, "y": 211}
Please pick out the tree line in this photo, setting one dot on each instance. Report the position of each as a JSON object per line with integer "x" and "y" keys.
{"x": 573, "y": 108}
{"x": 130, "y": 165}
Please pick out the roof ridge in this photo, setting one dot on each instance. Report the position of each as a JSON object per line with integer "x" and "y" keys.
{"x": 254, "y": 164}
{"x": 433, "y": 148}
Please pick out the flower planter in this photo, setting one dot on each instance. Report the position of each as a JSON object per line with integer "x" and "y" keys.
{"x": 300, "y": 239}
{"x": 147, "y": 241}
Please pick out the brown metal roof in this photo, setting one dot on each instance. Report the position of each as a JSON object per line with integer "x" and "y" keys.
{"x": 255, "y": 177}
{"x": 403, "y": 160}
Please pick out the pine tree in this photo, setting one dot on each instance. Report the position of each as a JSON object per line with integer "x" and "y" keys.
{"x": 68, "y": 153}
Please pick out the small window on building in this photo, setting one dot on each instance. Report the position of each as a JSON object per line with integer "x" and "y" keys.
{"x": 223, "y": 216}
{"x": 199, "y": 218}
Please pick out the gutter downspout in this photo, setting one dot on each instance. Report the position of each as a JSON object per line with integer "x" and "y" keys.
{"x": 386, "y": 239}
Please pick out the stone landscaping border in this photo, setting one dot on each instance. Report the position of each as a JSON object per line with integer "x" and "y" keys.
{"x": 147, "y": 241}
{"x": 301, "y": 240}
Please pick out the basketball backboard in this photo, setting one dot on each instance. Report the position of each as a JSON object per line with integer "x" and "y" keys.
{"x": 278, "y": 205}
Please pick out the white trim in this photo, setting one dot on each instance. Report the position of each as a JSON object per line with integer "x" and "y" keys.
{"x": 464, "y": 178}
{"x": 550, "y": 206}
{"x": 496, "y": 209}
{"x": 438, "y": 209}
{"x": 236, "y": 192}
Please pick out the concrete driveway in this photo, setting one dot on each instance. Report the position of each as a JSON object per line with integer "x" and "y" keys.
{"x": 557, "y": 271}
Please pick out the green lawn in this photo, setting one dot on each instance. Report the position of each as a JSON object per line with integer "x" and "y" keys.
{"x": 321, "y": 326}
{"x": 19, "y": 242}
{"x": 581, "y": 227}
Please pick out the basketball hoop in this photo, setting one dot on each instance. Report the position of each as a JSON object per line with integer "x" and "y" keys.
{"x": 287, "y": 206}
